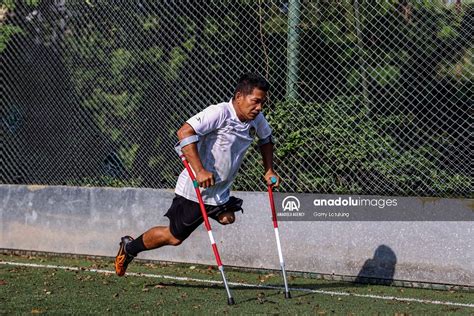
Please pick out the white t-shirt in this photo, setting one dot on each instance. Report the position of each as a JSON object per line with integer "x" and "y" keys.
{"x": 223, "y": 141}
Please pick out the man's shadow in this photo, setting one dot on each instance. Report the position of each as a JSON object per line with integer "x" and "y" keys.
{"x": 380, "y": 269}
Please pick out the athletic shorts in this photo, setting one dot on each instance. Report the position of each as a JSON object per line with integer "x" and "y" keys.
{"x": 185, "y": 215}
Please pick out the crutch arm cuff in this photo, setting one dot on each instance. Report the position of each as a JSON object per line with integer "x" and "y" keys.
{"x": 189, "y": 140}
{"x": 177, "y": 148}
{"x": 184, "y": 142}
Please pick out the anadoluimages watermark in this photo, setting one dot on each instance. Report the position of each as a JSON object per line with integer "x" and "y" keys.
{"x": 315, "y": 207}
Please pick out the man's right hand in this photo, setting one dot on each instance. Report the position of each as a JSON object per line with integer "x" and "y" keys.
{"x": 205, "y": 178}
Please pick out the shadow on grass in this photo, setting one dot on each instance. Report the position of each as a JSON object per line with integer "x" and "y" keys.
{"x": 261, "y": 297}
{"x": 264, "y": 287}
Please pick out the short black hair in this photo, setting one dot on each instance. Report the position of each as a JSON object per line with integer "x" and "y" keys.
{"x": 249, "y": 81}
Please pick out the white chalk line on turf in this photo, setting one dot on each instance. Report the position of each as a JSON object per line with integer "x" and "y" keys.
{"x": 258, "y": 286}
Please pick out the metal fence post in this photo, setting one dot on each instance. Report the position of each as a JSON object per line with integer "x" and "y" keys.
{"x": 294, "y": 7}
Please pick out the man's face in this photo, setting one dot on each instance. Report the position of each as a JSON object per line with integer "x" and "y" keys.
{"x": 249, "y": 106}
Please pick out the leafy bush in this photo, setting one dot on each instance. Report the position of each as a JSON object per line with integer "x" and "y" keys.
{"x": 339, "y": 147}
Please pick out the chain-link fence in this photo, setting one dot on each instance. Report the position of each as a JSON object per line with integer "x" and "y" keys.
{"x": 368, "y": 97}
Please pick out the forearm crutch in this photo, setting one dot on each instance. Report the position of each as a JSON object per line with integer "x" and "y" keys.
{"x": 230, "y": 299}
{"x": 277, "y": 235}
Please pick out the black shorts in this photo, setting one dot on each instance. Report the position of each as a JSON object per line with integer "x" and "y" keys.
{"x": 185, "y": 215}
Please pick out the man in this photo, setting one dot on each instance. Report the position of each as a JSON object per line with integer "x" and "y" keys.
{"x": 214, "y": 143}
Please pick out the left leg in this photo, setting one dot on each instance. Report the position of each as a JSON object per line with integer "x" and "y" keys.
{"x": 159, "y": 236}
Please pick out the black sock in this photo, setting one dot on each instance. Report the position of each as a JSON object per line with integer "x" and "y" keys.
{"x": 135, "y": 246}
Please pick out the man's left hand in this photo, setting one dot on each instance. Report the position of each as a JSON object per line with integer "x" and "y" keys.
{"x": 268, "y": 178}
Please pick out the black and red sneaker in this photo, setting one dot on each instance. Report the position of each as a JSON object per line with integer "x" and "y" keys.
{"x": 123, "y": 258}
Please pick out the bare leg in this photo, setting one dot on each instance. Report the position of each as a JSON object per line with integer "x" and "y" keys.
{"x": 159, "y": 236}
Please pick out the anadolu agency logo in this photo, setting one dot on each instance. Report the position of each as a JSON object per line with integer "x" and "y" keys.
{"x": 291, "y": 207}
{"x": 290, "y": 204}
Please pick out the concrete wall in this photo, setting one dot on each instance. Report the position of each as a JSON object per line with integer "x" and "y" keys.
{"x": 92, "y": 220}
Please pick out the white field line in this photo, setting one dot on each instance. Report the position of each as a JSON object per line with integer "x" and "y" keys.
{"x": 258, "y": 286}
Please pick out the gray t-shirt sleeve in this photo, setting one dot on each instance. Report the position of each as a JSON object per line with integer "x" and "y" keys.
{"x": 208, "y": 120}
{"x": 262, "y": 127}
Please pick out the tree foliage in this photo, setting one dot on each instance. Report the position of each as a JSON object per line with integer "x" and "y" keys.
{"x": 383, "y": 92}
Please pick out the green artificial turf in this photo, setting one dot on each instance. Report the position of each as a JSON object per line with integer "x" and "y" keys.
{"x": 27, "y": 290}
